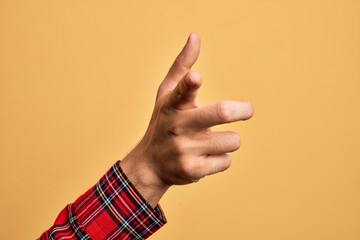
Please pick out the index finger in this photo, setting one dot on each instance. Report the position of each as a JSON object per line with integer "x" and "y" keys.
{"x": 225, "y": 111}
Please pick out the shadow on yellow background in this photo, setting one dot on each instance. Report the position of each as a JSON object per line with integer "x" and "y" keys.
{"x": 78, "y": 83}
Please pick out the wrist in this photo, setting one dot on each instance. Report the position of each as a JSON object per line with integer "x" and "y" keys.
{"x": 137, "y": 167}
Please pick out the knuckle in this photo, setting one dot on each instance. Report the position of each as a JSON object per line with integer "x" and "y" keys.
{"x": 225, "y": 111}
{"x": 191, "y": 169}
{"x": 175, "y": 131}
{"x": 168, "y": 116}
{"x": 186, "y": 169}
{"x": 180, "y": 146}
{"x": 164, "y": 109}
{"x": 177, "y": 149}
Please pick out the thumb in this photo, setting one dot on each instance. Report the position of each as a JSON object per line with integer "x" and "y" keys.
{"x": 182, "y": 64}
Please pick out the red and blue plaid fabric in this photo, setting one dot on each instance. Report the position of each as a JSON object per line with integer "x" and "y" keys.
{"x": 112, "y": 209}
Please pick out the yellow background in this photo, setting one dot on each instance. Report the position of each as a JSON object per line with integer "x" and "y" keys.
{"x": 78, "y": 83}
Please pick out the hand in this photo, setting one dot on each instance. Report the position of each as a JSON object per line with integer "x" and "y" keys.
{"x": 179, "y": 146}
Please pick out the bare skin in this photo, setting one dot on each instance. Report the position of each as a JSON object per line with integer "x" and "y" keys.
{"x": 179, "y": 147}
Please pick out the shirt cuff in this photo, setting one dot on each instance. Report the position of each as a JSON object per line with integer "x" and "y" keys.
{"x": 114, "y": 209}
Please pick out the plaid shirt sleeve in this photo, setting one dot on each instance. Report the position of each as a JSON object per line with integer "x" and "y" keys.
{"x": 112, "y": 209}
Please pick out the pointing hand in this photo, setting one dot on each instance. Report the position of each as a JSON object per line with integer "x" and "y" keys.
{"x": 179, "y": 147}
